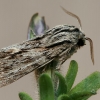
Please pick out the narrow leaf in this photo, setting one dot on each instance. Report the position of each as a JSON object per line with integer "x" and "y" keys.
{"x": 89, "y": 85}
{"x": 81, "y": 95}
{"x": 71, "y": 74}
{"x": 62, "y": 87}
{"x": 46, "y": 87}
{"x": 24, "y": 96}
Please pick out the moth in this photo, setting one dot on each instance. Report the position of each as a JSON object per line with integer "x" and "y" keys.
{"x": 58, "y": 43}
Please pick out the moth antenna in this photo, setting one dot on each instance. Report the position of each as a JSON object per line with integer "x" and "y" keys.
{"x": 91, "y": 49}
{"x": 73, "y": 15}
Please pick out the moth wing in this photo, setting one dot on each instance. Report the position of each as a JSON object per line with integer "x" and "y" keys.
{"x": 19, "y": 63}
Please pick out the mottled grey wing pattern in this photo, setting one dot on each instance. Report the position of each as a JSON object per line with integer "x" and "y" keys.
{"x": 20, "y": 59}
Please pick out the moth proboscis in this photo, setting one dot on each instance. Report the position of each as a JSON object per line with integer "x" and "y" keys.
{"x": 59, "y": 43}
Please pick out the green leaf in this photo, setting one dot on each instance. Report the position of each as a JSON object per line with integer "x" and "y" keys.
{"x": 24, "y": 96}
{"x": 71, "y": 74}
{"x": 46, "y": 87}
{"x": 62, "y": 87}
{"x": 88, "y": 86}
{"x": 64, "y": 97}
{"x": 81, "y": 95}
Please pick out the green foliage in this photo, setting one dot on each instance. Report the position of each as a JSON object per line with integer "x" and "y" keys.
{"x": 88, "y": 86}
{"x": 80, "y": 95}
{"x": 64, "y": 97}
{"x": 71, "y": 74}
{"x": 46, "y": 87}
{"x": 64, "y": 91}
{"x": 62, "y": 87}
{"x": 24, "y": 96}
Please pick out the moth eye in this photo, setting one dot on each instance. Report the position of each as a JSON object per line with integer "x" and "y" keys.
{"x": 81, "y": 42}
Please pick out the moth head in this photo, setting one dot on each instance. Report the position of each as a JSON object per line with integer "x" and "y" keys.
{"x": 81, "y": 35}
